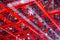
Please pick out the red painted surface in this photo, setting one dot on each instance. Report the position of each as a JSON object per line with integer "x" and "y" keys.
{"x": 13, "y": 26}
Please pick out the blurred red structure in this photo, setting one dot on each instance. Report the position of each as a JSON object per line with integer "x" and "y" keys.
{"x": 29, "y": 20}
